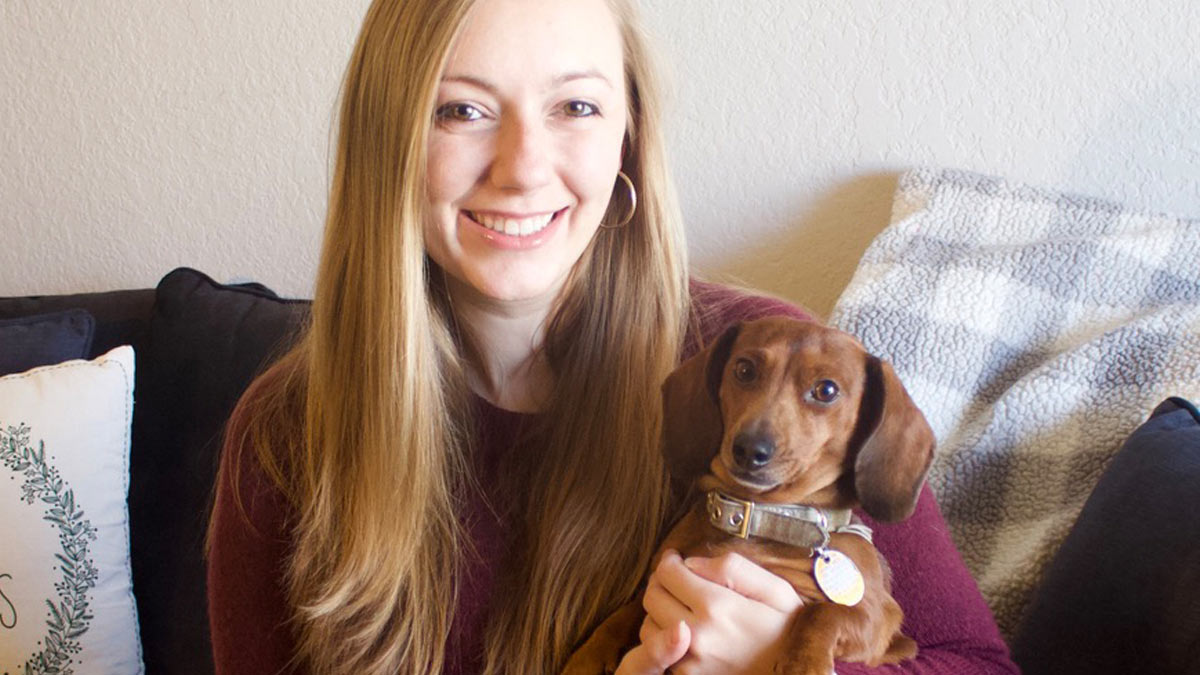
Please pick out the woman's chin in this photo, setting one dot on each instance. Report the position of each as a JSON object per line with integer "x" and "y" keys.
{"x": 517, "y": 290}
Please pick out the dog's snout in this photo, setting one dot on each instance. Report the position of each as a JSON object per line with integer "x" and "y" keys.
{"x": 752, "y": 451}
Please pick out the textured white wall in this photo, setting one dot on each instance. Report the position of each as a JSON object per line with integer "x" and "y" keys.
{"x": 144, "y": 134}
{"x": 141, "y": 135}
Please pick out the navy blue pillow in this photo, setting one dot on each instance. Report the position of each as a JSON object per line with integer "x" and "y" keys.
{"x": 44, "y": 339}
{"x": 1122, "y": 595}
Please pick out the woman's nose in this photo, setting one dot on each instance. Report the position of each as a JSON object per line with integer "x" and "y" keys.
{"x": 523, "y": 156}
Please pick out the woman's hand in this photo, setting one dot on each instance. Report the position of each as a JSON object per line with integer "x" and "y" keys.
{"x": 732, "y": 615}
{"x": 659, "y": 650}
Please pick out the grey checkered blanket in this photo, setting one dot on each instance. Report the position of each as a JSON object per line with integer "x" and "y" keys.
{"x": 1036, "y": 331}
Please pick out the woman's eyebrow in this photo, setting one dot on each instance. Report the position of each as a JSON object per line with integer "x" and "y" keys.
{"x": 471, "y": 80}
{"x": 581, "y": 75}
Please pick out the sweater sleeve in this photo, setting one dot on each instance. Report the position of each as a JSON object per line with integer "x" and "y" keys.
{"x": 943, "y": 608}
{"x": 944, "y": 611}
{"x": 248, "y": 615}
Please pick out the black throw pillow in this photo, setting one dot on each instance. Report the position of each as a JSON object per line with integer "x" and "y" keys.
{"x": 206, "y": 342}
{"x": 1122, "y": 595}
{"x": 44, "y": 339}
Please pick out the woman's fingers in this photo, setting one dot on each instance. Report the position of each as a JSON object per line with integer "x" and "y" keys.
{"x": 662, "y": 603}
{"x": 736, "y": 614}
{"x": 658, "y": 651}
{"x": 748, "y": 579}
{"x": 649, "y": 627}
{"x": 674, "y": 590}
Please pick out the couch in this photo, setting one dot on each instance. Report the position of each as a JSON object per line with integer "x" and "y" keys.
{"x": 1119, "y": 596}
{"x": 198, "y": 345}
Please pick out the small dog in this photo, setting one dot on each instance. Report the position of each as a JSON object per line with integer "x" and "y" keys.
{"x": 772, "y": 435}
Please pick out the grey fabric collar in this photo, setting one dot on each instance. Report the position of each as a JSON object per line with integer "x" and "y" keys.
{"x": 795, "y": 524}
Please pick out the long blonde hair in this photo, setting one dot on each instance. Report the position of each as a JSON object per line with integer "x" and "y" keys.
{"x": 379, "y": 382}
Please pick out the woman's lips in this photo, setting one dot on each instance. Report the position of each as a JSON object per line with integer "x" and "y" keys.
{"x": 514, "y": 231}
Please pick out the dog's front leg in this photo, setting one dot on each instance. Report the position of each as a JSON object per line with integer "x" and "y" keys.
{"x": 604, "y": 648}
{"x": 814, "y": 639}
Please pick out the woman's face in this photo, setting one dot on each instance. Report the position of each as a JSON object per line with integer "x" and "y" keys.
{"x": 526, "y": 144}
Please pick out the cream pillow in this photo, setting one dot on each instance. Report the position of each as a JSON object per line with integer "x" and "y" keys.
{"x": 66, "y": 594}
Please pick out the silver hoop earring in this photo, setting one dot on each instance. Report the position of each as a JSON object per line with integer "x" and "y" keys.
{"x": 632, "y": 203}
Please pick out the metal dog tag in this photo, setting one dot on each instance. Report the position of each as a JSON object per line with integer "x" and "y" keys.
{"x": 838, "y": 577}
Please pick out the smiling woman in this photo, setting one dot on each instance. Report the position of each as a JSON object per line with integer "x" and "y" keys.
{"x": 526, "y": 147}
{"x": 458, "y": 468}
{"x": 523, "y": 157}
{"x": 483, "y": 363}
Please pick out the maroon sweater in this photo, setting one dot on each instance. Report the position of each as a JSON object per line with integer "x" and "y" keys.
{"x": 249, "y": 615}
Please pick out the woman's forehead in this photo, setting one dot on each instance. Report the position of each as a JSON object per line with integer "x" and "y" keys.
{"x": 538, "y": 43}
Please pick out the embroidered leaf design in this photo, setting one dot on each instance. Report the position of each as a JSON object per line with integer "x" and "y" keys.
{"x": 69, "y": 619}
{"x": 55, "y": 620}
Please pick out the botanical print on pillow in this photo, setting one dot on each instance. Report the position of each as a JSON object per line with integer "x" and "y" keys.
{"x": 67, "y": 618}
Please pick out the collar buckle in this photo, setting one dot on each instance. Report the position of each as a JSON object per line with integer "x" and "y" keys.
{"x": 739, "y": 520}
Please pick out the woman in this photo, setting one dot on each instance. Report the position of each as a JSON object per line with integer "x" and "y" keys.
{"x": 456, "y": 469}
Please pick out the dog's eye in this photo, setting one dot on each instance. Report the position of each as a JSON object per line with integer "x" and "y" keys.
{"x": 825, "y": 391}
{"x": 745, "y": 371}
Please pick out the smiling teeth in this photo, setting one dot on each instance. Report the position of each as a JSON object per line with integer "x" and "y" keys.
{"x": 517, "y": 227}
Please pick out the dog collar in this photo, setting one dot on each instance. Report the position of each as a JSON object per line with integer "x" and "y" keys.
{"x": 795, "y": 524}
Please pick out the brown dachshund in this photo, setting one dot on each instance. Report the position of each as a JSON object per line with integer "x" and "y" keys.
{"x": 772, "y": 435}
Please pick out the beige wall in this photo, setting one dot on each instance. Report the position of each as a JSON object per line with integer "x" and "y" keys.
{"x": 144, "y": 134}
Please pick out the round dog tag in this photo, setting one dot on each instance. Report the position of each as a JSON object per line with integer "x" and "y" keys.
{"x": 838, "y": 577}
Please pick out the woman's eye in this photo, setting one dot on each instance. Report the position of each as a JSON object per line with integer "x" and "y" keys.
{"x": 745, "y": 371}
{"x": 458, "y": 112}
{"x": 579, "y": 109}
{"x": 825, "y": 391}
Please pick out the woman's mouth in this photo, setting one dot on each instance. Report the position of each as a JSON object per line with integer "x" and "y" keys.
{"x": 514, "y": 227}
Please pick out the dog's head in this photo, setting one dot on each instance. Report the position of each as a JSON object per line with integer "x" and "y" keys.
{"x": 782, "y": 410}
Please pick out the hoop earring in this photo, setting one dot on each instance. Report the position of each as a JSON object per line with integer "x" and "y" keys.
{"x": 632, "y": 204}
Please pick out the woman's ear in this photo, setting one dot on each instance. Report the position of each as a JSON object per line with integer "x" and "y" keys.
{"x": 893, "y": 460}
{"x": 692, "y": 424}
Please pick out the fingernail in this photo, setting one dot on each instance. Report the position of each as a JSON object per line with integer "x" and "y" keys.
{"x": 677, "y": 634}
{"x": 692, "y": 563}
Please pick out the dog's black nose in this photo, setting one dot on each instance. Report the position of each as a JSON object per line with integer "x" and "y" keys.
{"x": 752, "y": 451}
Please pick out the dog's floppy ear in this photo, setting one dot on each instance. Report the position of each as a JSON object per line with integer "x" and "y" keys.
{"x": 692, "y": 424}
{"x": 895, "y": 456}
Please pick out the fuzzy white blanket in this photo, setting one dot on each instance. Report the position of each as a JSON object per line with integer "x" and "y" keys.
{"x": 1036, "y": 331}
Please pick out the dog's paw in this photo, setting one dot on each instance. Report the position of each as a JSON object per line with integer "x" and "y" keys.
{"x": 901, "y": 648}
{"x": 808, "y": 663}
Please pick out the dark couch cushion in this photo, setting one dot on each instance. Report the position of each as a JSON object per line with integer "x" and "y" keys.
{"x": 44, "y": 339}
{"x": 1122, "y": 595}
{"x": 122, "y": 317}
{"x": 206, "y": 343}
